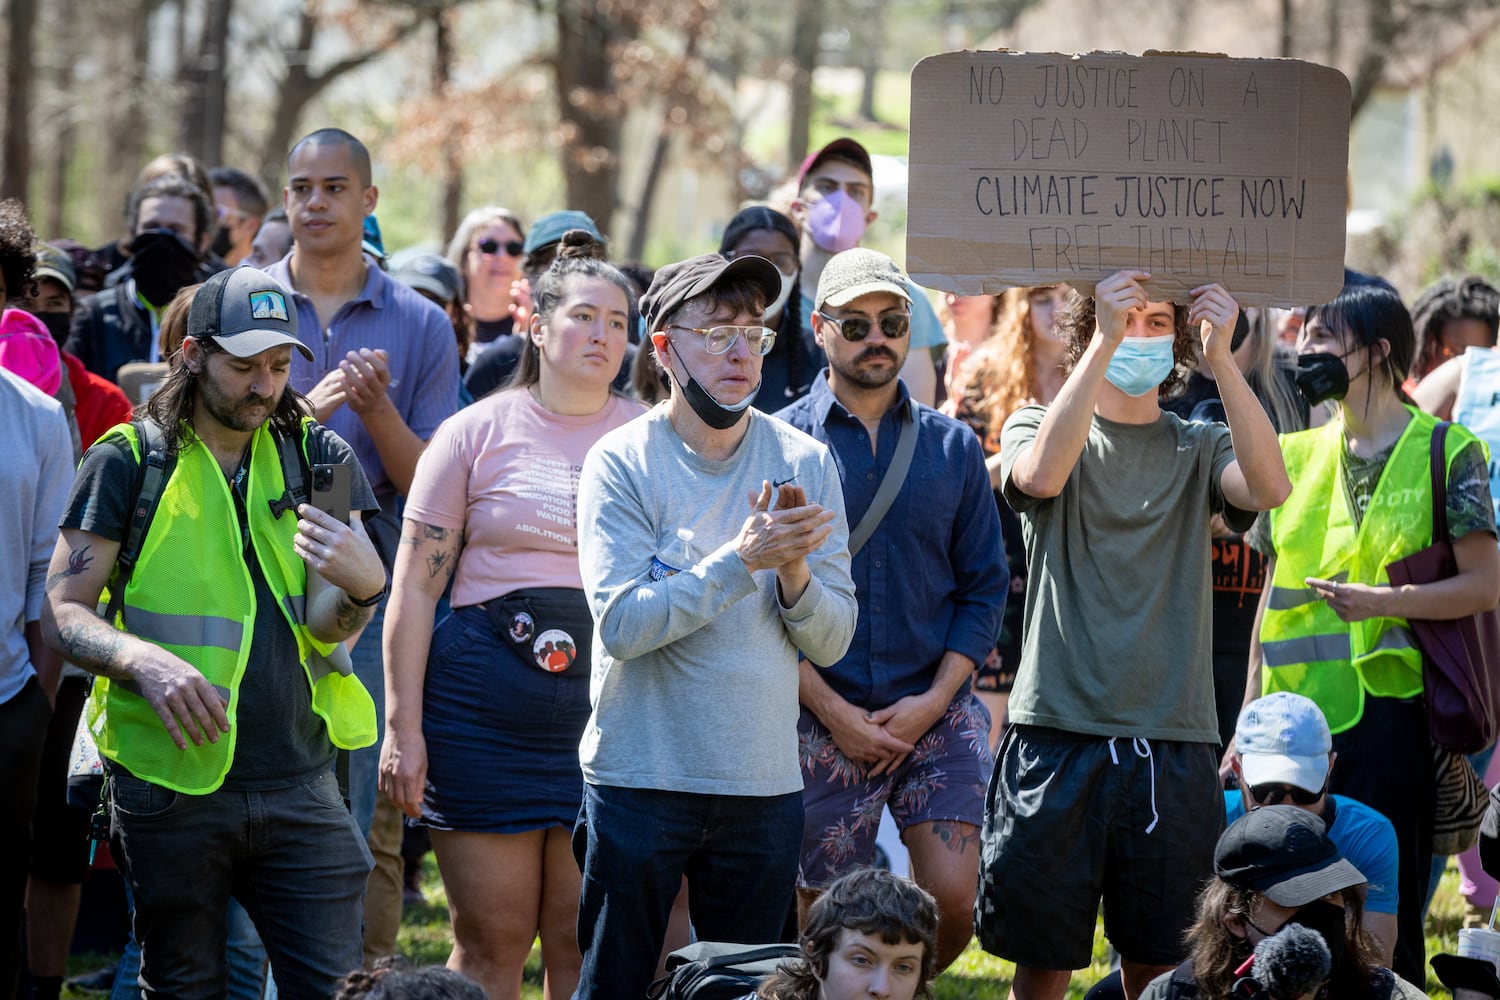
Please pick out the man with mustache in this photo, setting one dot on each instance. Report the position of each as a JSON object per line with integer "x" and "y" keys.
{"x": 222, "y": 687}
{"x": 894, "y": 723}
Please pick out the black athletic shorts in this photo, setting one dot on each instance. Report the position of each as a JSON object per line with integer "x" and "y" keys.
{"x": 1071, "y": 819}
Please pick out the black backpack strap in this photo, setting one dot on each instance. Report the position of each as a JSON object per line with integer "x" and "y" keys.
{"x": 293, "y": 474}
{"x": 156, "y": 465}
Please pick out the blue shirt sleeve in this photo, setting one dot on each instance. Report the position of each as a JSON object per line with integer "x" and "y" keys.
{"x": 926, "y": 331}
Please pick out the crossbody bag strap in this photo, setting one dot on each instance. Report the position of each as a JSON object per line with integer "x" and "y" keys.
{"x": 1439, "y": 481}
{"x": 890, "y": 483}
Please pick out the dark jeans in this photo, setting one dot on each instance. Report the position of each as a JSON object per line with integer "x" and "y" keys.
{"x": 739, "y": 854}
{"x": 23, "y": 730}
{"x": 292, "y": 857}
{"x": 1385, "y": 761}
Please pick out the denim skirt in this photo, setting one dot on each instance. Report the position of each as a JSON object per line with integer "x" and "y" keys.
{"x": 502, "y": 733}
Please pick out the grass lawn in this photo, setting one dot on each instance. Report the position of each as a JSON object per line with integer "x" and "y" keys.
{"x": 976, "y": 975}
{"x": 425, "y": 938}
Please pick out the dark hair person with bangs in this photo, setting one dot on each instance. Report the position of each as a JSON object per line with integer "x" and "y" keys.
{"x": 795, "y": 358}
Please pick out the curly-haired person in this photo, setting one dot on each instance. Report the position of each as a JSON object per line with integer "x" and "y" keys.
{"x": 871, "y": 933}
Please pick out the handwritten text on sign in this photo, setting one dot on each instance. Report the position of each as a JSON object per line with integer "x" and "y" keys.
{"x": 1032, "y": 169}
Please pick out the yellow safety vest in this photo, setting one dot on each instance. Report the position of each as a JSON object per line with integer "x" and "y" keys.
{"x": 1306, "y": 647}
{"x": 191, "y": 594}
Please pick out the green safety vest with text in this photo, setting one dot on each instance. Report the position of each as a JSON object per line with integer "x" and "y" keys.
{"x": 191, "y": 593}
{"x": 1305, "y": 646}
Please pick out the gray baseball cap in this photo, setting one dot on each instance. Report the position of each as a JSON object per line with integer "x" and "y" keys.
{"x": 245, "y": 311}
{"x": 429, "y": 272}
{"x": 860, "y": 271}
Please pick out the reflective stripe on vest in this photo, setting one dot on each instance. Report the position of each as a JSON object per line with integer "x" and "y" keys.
{"x": 192, "y": 594}
{"x": 1307, "y": 648}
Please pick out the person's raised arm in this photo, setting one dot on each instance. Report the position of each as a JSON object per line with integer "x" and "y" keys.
{"x": 183, "y": 699}
{"x": 1043, "y": 469}
{"x": 1256, "y": 479}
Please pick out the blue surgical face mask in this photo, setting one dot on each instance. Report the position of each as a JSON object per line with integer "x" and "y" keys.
{"x": 1140, "y": 364}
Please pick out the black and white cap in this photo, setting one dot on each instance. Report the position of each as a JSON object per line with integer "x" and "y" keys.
{"x": 245, "y": 311}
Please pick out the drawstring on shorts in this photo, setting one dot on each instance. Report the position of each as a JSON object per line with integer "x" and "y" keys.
{"x": 1142, "y": 749}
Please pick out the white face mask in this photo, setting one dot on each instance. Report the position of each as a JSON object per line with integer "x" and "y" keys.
{"x": 788, "y": 281}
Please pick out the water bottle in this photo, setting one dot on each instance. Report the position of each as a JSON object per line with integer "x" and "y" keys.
{"x": 678, "y": 558}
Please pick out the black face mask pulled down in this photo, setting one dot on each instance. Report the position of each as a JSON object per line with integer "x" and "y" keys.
{"x": 162, "y": 264}
{"x": 712, "y": 412}
{"x": 1321, "y": 377}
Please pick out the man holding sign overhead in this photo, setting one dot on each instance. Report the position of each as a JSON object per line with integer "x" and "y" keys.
{"x": 1107, "y": 781}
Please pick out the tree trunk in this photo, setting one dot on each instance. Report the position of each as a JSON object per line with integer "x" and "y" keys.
{"x": 806, "y": 27}
{"x": 129, "y": 23}
{"x": 1286, "y": 29}
{"x": 18, "y": 69}
{"x": 644, "y": 204}
{"x": 872, "y": 28}
{"x": 588, "y": 106}
{"x": 300, "y": 85}
{"x": 65, "y": 34}
{"x": 453, "y": 168}
{"x": 1382, "y": 29}
{"x": 203, "y": 78}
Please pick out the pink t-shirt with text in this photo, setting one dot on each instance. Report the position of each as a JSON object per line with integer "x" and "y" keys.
{"x": 505, "y": 471}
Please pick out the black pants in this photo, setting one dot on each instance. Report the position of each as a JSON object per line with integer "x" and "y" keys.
{"x": 1385, "y": 761}
{"x": 23, "y": 728}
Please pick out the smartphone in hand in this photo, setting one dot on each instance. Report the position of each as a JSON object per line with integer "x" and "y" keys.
{"x": 331, "y": 485}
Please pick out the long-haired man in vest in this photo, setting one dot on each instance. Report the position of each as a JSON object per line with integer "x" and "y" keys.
{"x": 221, "y": 687}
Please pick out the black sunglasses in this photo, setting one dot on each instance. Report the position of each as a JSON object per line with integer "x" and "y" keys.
{"x": 857, "y": 328}
{"x": 489, "y": 246}
{"x": 1275, "y": 793}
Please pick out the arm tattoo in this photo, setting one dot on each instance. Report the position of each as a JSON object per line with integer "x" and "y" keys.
{"x": 78, "y": 563}
{"x": 94, "y": 645}
{"x": 348, "y": 617}
{"x": 439, "y": 562}
{"x": 433, "y": 532}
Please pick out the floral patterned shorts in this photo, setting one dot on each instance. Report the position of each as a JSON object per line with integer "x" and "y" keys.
{"x": 942, "y": 780}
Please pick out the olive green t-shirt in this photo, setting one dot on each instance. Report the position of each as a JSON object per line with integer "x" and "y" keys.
{"x": 1118, "y": 626}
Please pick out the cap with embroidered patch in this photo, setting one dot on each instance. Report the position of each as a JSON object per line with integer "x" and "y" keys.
{"x": 245, "y": 311}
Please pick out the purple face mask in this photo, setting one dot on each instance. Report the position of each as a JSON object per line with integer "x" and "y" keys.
{"x": 836, "y": 222}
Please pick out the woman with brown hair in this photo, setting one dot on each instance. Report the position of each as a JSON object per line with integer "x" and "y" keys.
{"x": 1273, "y": 868}
{"x": 485, "y": 710}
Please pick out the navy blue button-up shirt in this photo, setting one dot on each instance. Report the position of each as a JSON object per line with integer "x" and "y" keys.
{"x": 932, "y": 577}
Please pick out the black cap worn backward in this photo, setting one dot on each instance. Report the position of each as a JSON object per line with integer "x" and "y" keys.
{"x": 1284, "y": 853}
{"x": 677, "y": 283}
{"x": 245, "y": 311}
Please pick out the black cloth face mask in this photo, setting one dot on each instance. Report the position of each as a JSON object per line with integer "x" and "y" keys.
{"x": 1329, "y": 920}
{"x": 1321, "y": 377}
{"x": 162, "y": 264}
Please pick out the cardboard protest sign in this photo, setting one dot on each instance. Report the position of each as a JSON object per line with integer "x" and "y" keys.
{"x": 1031, "y": 168}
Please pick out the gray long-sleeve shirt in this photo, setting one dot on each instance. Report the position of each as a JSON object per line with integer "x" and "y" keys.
{"x": 694, "y": 685}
